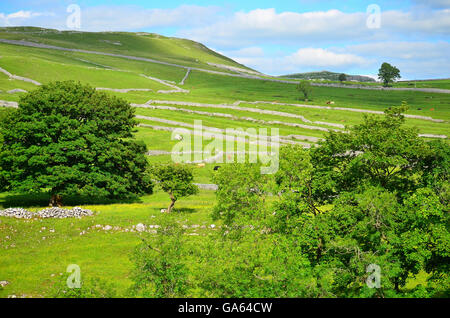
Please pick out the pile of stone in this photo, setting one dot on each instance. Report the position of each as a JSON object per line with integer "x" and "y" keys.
{"x": 60, "y": 213}
{"x": 57, "y": 213}
{"x": 18, "y": 213}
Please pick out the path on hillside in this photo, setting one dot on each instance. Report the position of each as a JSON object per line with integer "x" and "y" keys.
{"x": 223, "y": 132}
{"x": 210, "y": 134}
{"x": 175, "y": 89}
{"x": 233, "y": 107}
{"x": 181, "y": 103}
{"x": 240, "y": 74}
{"x": 236, "y": 118}
{"x": 19, "y": 78}
{"x": 185, "y": 76}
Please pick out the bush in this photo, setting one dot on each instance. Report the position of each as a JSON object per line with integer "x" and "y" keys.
{"x": 160, "y": 269}
{"x": 241, "y": 192}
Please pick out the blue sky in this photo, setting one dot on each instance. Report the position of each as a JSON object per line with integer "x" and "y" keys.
{"x": 276, "y": 37}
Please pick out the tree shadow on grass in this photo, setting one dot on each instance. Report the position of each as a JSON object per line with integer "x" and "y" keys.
{"x": 43, "y": 199}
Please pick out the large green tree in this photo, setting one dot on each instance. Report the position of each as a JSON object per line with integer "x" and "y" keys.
{"x": 388, "y": 73}
{"x": 68, "y": 139}
{"x": 380, "y": 152}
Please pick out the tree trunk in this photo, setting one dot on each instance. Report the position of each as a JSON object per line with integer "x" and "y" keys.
{"x": 55, "y": 201}
{"x": 172, "y": 203}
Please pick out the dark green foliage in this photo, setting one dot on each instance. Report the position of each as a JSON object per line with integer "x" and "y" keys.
{"x": 175, "y": 179}
{"x": 388, "y": 73}
{"x": 342, "y": 77}
{"x": 294, "y": 188}
{"x": 241, "y": 193}
{"x": 378, "y": 152}
{"x": 436, "y": 168}
{"x": 159, "y": 267}
{"x": 256, "y": 266}
{"x": 4, "y": 112}
{"x": 425, "y": 238}
{"x": 68, "y": 139}
{"x": 389, "y": 208}
{"x": 219, "y": 265}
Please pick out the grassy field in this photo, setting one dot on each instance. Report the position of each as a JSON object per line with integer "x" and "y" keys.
{"x": 438, "y": 83}
{"x": 34, "y": 253}
{"x": 148, "y": 45}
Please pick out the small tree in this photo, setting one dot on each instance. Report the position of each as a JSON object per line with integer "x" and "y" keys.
{"x": 176, "y": 180}
{"x": 388, "y": 74}
{"x": 160, "y": 268}
{"x": 305, "y": 88}
{"x": 69, "y": 139}
{"x": 342, "y": 77}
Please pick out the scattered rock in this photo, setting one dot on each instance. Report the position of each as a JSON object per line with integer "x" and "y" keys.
{"x": 140, "y": 227}
{"x": 3, "y": 283}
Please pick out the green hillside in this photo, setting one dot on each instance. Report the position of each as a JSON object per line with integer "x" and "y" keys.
{"x": 146, "y": 45}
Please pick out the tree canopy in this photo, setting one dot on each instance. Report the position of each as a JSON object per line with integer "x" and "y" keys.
{"x": 69, "y": 139}
{"x": 306, "y": 89}
{"x": 388, "y": 73}
{"x": 374, "y": 198}
{"x": 176, "y": 180}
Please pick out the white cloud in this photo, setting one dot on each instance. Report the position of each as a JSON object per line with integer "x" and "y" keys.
{"x": 107, "y": 18}
{"x": 316, "y": 57}
{"x": 414, "y": 59}
{"x": 304, "y": 59}
{"x": 247, "y": 52}
{"x": 267, "y": 26}
{"x": 118, "y": 18}
{"x": 21, "y": 14}
{"x": 404, "y": 50}
{"x": 425, "y": 22}
{"x": 21, "y": 17}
